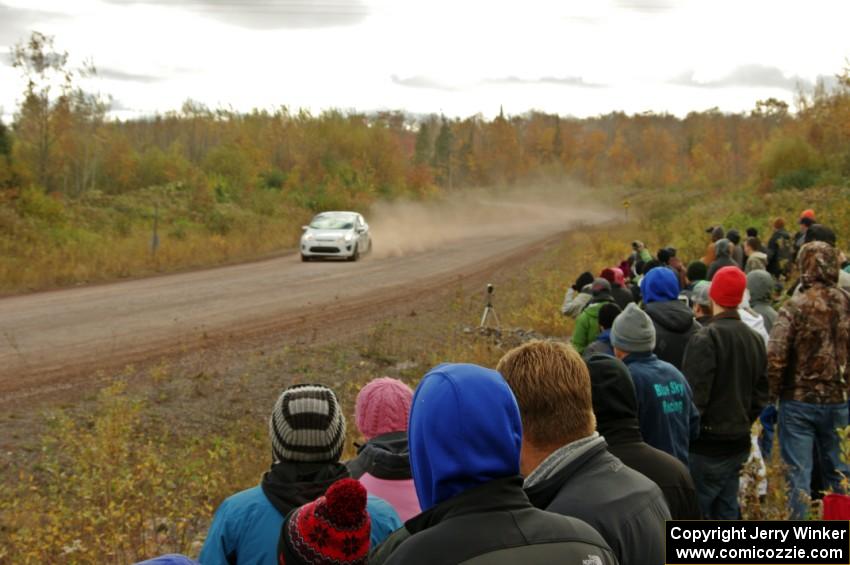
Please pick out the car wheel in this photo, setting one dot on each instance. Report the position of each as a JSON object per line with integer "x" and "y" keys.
{"x": 304, "y": 258}
{"x": 356, "y": 254}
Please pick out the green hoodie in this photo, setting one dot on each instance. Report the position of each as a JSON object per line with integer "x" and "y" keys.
{"x": 587, "y": 327}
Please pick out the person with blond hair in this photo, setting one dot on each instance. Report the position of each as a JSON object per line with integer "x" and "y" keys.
{"x": 465, "y": 439}
{"x": 567, "y": 466}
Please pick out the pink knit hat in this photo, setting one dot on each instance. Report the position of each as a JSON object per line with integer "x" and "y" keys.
{"x": 383, "y": 406}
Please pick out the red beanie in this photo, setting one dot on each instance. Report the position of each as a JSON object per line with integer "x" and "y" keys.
{"x": 608, "y": 275}
{"x": 332, "y": 530}
{"x": 728, "y": 286}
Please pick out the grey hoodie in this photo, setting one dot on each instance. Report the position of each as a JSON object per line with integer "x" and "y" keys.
{"x": 723, "y": 250}
{"x": 756, "y": 261}
{"x": 760, "y": 284}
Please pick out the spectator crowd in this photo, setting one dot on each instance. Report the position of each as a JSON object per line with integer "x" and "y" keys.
{"x": 575, "y": 452}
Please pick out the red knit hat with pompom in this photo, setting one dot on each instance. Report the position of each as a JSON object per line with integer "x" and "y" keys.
{"x": 728, "y": 286}
{"x": 332, "y": 530}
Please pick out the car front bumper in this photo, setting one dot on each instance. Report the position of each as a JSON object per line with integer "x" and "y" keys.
{"x": 315, "y": 248}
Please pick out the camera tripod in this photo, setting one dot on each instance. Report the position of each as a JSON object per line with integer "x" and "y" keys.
{"x": 489, "y": 310}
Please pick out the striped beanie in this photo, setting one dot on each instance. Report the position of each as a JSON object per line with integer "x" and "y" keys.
{"x": 307, "y": 425}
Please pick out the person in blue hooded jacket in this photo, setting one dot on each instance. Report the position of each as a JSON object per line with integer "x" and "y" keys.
{"x": 673, "y": 319}
{"x": 465, "y": 437}
{"x": 307, "y": 431}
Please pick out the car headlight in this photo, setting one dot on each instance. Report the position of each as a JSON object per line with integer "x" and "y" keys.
{"x": 308, "y": 236}
{"x": 349, "y": 236}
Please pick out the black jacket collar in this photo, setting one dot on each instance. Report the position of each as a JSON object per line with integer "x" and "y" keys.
{"x": 619, "y": 432}
{"x": 498, "y": 495}
{"x": 731, "y": 314}
{"x": 386, "y": 457}
{"x": 289, "y": 484}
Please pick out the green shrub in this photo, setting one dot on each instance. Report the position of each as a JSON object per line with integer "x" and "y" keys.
{"x": 230, "y": 162}
{"x": 218, "y": 222}
{"x": 800, "y": 178}
{"x": 179, "y": 229}
{"x": 34, "y": 203}
{"x": 789, "y": 162}
{"x": 273, "y": 179}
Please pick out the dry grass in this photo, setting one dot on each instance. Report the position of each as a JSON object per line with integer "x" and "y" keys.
{"x": 138, "y": 471}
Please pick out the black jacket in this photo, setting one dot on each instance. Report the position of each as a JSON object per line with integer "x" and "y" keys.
{"x": 615, "y": 405}
{"x": 493, "y": 524}
{"x": 779, "y": 252}
{"x": 726, "y": 366}
{"x": 625, "y": 507}
{"x": 622, "y": 296}
{"x": 719, "y": 263}
{"x": 385, "y": 457}
{"x": 674, "y": 325}
{"x": 670, "y": 474}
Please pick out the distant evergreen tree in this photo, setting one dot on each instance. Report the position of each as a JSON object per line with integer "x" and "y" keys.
{"x": 5, "y": 141}
{"x": 466, "y": 157}
{"x": 443, "y": 152}
{"x": 557, "y": 142}
{"x": 422, "y": 151}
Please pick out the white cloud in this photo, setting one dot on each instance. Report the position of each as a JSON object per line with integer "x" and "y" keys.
{"x": 460, "y": 58}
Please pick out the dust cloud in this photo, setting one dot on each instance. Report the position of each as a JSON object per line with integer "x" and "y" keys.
{"x": 403, "y": 227}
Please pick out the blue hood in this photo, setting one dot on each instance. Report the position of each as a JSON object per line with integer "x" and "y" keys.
{"x": 465, "y": 431}
{"x": 660, "y": 285}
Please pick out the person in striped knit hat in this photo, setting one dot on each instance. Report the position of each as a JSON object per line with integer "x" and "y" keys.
{"x": 307, "y": 432}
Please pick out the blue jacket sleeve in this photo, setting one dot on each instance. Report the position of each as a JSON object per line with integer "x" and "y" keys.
{"x": 384, "y": 518}
{"x": 220, "y": 545}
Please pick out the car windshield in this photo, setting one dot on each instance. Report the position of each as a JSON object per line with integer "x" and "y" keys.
{"x": 332, "y": 223}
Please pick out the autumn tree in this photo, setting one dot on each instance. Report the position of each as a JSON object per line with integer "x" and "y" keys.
{"x": 58, "y": 126}
{"x": 44, "y": 69}
{"x": 442, "y": 160}
{"x": 6, "y": 174}
{"x": 422, "y": 151}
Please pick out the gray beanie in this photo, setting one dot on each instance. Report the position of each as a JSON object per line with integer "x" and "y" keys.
{"x": 723, "y": 247}
{"x": 633, "y": 331}
{"x": 307, "y": 425}
{"x": 700, "y": 293}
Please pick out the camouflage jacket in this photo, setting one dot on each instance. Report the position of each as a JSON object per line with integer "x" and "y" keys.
{"x": 810, "y": 340}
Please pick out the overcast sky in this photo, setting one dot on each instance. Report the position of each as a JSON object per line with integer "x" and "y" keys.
{"x": 459, "y": 57}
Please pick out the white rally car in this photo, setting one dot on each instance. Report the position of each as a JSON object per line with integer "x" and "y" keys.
{"x": 336, "y": 234}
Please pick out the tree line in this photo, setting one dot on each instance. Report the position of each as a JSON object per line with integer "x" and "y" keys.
{"x": 62, "y": 142}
